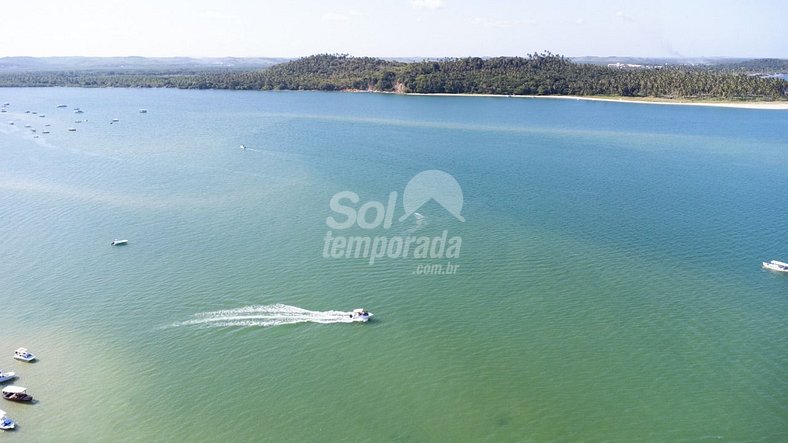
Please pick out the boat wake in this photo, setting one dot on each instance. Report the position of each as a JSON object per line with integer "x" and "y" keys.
{"x": 264, "y": 316}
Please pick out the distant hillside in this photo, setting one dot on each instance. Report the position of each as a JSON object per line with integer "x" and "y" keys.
{"x": 32, "y": 64}
{"x": 537, "y": 74}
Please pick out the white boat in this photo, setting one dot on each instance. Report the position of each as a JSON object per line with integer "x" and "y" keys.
{"x": 243, "y": 146}
{"x": 114, "y": 120}
{"x": 117, "y": 242}
{"x": 5, "y": 376}
{"x": 775, "y": 265}
{"x": 360, "y": 315}
{"x": 23, "y": 354}
{"x": 5, "y": 422}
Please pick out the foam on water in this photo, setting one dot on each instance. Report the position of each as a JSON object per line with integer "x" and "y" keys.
{"x": 264, "y": 316}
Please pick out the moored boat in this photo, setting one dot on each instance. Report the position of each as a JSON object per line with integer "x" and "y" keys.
{"x": 775, "y": 265}
{"x": 5, "y": 422}
{"x": 5, "y": 376}
{"x": 16, "y": 393}
{"x": 22, "y": 354}
{"x": 117, "y": 242}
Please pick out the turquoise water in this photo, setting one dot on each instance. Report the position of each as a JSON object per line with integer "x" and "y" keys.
{"x": 609, "y": 284}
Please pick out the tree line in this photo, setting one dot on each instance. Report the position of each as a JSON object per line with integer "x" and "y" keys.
{"x": 535, "y": 74}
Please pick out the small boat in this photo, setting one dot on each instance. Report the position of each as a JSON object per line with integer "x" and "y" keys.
{"x": 41, "y": 115}
{"x": 143, "y": 111}
{"x": 34, "y": 112}
{"x": 2, "y": 109}
{"x": 22, "y": 354}
{"x": 360, "y": 315}
{"x": 72, "y": 129}
{"x": 45, "y": 132}
{"x": 10, "y": 123}
{"x": 775, "y": 265}
{"x": 5, "y": 422}
{"x": 5, "y": 376}
{"x": 243, "y": 146}
{"x": 62, "y": 106}
{"x": 28, "y": 126}
{"x": 117, "y": 242}
{"x": 16, "y": 393}
{"x": 78, "y": 111}
{"x": 114, "y": 120}
{"x": 27, "y": 112}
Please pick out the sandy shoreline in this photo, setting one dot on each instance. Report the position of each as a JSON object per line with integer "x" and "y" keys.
{"x": 774, "y": 106}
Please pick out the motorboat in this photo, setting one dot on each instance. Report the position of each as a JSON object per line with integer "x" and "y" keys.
{"x": 62, "y": 106}
{"x": 72, "y": 129}
{"x": 16, "y": 393}
{"x": 360, "y": 315}
{"x": 78, "y": 111}
{"x": 5, "y": 422}
{"x": 775, "y": 265}
{"x": 5, "y": 376}
{"x": 243, "y": 146}
{"x": 114, "y": 120}
{"x": 22, "y": 354}
{"x": 143, "y": 111}
{"x": 117, "y": 242}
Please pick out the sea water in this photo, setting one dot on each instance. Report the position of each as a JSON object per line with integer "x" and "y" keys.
{"x": 608, "y": 286}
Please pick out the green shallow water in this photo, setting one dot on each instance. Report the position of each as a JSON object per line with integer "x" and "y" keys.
{"x": 609, "y": 284}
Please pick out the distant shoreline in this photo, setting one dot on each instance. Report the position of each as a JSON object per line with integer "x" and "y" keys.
{"x": 773, "y": 106}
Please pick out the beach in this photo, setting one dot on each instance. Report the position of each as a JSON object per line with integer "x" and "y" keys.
{"x": 763, "y": 105}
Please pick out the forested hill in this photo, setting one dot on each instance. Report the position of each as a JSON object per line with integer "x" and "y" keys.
{"x": 536, "y": 74}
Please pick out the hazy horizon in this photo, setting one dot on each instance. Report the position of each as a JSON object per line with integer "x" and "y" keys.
{"x": 393, "y": 29}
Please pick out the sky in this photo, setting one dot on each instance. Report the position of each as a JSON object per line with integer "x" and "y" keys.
{"x": 393, "y": 28}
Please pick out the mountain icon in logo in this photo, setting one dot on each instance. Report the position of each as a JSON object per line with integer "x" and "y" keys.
{"x": 433, "y": 185}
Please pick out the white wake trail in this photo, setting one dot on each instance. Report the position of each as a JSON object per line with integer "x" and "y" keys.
{"x": 264, "y": 316}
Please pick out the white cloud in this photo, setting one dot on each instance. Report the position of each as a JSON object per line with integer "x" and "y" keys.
{"x": 427, "y": 4}
{"x": 488, "y": 22}
{"x": 625, "y": 17}
{"x": 334, "y": 17}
